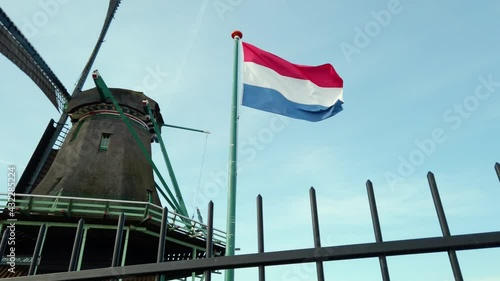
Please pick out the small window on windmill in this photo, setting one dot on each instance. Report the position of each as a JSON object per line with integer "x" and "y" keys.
{"x": 150, "y": 197}
{"x": 104, "y": 141}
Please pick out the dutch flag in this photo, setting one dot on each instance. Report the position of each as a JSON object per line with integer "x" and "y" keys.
{"x": 272, "y": 84}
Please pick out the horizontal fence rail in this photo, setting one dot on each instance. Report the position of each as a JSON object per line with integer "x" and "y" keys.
{"x": 367, "y": 250}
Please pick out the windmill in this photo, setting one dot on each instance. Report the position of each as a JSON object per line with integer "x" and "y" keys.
{"x": 93, "y": 181}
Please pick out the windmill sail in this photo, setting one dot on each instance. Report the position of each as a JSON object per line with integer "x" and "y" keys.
{"x": 113, "y": 6}
{"x": 16, "y": 48}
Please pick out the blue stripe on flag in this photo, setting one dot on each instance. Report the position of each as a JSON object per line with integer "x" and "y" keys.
{"x": 271, "y": 100}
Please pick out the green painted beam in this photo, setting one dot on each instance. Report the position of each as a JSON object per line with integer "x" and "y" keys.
{"x": 170, "y": 169}
{"x": 185, "y": 128}
{"x": 170, "y": 203}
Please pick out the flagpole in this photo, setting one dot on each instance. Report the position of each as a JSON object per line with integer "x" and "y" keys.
{"x": 233, "y": 151}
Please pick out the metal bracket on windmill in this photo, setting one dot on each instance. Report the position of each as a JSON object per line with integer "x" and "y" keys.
{"x": 103, "y": 89}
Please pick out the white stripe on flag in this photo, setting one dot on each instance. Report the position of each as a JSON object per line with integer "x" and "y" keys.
{"x": 293, "y": 89}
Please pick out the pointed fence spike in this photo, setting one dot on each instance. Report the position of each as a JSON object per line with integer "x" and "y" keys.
{"x": 160, "y": 257}
{"x": 77, "y": 244}
{"x": 115, "y": 261}
{"x": 376, "y": 228}
{"x": 316, "y": 232}
{"x": 497, "y": 168}
{"x": 260, "y": 235}
{"x": 209, "y": 241}
{"x": 455, "y": 266}
{"x": 38, "y": 248}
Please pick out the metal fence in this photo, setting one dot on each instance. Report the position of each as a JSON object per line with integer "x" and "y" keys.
{"x": 319, "y": 254}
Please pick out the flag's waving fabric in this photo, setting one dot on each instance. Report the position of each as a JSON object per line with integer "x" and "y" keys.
{"x": 273, "y": 84}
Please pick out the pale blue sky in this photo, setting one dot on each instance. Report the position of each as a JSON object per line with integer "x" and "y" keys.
{"x": 405, "y": 79}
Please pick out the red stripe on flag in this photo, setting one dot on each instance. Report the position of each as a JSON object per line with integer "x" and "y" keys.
{"x": 321, "y": 75}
